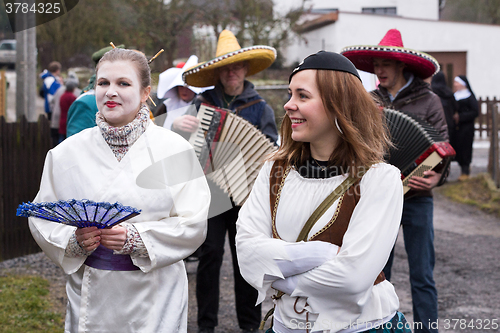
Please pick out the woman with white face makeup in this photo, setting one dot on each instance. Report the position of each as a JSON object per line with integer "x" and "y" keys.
{"x": 130, "y": 277}
{"x": 325, "y": 210}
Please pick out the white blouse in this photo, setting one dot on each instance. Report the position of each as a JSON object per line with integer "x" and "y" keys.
{"x": 334, "y": 286}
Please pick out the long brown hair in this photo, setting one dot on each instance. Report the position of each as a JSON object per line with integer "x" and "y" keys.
{"x": 364, "y": 139}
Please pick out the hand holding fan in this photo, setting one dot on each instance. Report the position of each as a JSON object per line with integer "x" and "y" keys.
{"x": 79, "y": 213}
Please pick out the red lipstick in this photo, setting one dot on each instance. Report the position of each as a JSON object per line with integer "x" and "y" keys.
{"x": 111, "y": 104}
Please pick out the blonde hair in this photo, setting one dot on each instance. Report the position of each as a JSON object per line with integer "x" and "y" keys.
{"x": 137, "y": 58}
{"x": 364, "y": 140}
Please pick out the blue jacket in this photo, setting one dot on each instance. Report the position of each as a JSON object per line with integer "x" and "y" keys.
{"x": 50, "y": 86}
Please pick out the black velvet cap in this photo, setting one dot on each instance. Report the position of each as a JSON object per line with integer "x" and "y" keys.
{"x": 326, "y": 60}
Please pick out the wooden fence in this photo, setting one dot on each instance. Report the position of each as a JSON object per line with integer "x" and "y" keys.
{"x": 487, "y": 126}
{"x": 484, "y": 120}
{"x": 23, "y": 148}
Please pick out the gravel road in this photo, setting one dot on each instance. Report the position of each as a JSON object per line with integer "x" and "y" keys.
{"x": 467, "y": 272}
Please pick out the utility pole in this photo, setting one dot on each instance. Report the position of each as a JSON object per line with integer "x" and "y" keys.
{"x": 26, "y": 94}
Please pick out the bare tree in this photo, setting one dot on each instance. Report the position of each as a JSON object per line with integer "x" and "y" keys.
{"x": 253, "y": 21}
{"x": 480, "y": 11}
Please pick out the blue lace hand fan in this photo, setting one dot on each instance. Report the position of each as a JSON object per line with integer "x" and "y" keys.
{"x": 79, "y": 213}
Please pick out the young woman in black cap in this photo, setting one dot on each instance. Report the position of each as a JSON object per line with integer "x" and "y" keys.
{"x": 325, "y": 210}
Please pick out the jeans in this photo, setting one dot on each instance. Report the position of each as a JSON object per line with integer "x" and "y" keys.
{"x": 418, "y": 231}
{"x": 208, "y": 275}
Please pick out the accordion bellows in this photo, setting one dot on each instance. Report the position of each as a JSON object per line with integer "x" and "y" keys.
{"x": 417, "y": 145}
{"x": 79, "y": 213}
{"x": 230, "y": 149}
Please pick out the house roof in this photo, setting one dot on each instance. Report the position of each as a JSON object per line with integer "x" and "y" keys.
{"x": 318, "y": 22}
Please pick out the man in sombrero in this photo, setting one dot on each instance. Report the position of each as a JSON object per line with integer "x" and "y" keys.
{"x": 401, "y": 73}
{"x": 227, "y": 72}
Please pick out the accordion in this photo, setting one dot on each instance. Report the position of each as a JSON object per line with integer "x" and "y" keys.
{"x": 230, "y": 149}
{"x": 417, "y": 146}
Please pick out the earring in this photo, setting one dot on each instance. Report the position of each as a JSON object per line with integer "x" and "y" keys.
{"x": 338, "y": 127}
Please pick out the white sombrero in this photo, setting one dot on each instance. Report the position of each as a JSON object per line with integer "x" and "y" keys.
{"x": 172, "y": 78}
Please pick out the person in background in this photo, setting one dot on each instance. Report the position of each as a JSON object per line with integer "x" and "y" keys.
{"x": 56, "y": 112}
{"x": 130, "y": 277}
{"x": 227, "y": 72}
{"x": 178, "y": 95}
{"x": 52, "y": 81}
{"x": 463, "y": 119}
{"x": 450, "y": 105}
{"x": 401, "y": 73}
{"x": 65, "y": 102}
{"x": 327, "y": 269}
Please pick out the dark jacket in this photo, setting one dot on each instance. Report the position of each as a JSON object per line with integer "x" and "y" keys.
{"x": 463, "y": 134}
{"x": 419, "y": 100}
{"x": 450, "y": 105}
{"x": 259, "y": 114}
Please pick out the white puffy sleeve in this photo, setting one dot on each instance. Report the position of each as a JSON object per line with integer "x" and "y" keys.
{"x": 53, "y": 237}
{"x": 172, "y": 235}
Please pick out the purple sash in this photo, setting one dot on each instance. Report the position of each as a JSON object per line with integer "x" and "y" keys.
{"x": 103, "y": 258}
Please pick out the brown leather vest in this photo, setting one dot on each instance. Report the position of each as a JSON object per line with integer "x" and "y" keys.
{"x": 334, "y": 231}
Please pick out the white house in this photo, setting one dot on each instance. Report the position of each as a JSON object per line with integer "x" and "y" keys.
{"x": 460, "y": 48}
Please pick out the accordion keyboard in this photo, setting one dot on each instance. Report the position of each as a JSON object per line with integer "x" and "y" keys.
{"x": 230, "y": 149}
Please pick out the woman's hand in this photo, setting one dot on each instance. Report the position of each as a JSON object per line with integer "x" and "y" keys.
{"x": 185, "y": 123}
{"x": 114, "y": 238}
{"x": 88, "y": 238}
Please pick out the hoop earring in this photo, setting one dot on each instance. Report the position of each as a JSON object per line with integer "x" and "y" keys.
{"x": 338, "y": 127}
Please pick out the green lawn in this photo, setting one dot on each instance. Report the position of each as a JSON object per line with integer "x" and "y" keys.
{"x": 25, "y": 306}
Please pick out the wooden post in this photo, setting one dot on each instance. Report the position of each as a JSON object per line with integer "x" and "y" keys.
{"x": 493, "y": 166}
{"x": 496, "y": 161}
{"x": 3, "y": 94}
{"x": 26, "y": 65}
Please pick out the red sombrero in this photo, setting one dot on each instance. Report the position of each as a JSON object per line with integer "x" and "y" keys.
{"x": 391, "y": 46}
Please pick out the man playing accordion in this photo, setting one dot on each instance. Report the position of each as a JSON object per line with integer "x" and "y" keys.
{"x": 401, "y": 73}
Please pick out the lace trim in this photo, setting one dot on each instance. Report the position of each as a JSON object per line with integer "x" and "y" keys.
{"x": 120, "y": 139}
{"x": 74, "y": 249}
{"x": 134, "y": 244}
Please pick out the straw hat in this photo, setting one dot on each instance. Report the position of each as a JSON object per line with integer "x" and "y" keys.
{"x": 391, "y": 46}
{"x": 228, "y": 52}
{"x": 172, "y": 78}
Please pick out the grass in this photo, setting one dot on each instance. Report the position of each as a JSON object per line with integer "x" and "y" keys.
{"x": 25, "y": 306}
{"x": 479, "y": 191}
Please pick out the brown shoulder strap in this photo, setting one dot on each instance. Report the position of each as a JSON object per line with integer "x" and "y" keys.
{"x": 244, "y": 106}
{"x": 335, "y": 232}
{"x": 275, "y": 179}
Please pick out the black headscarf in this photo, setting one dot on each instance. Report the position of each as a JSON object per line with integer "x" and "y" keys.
{"x": 467, "y": 84}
